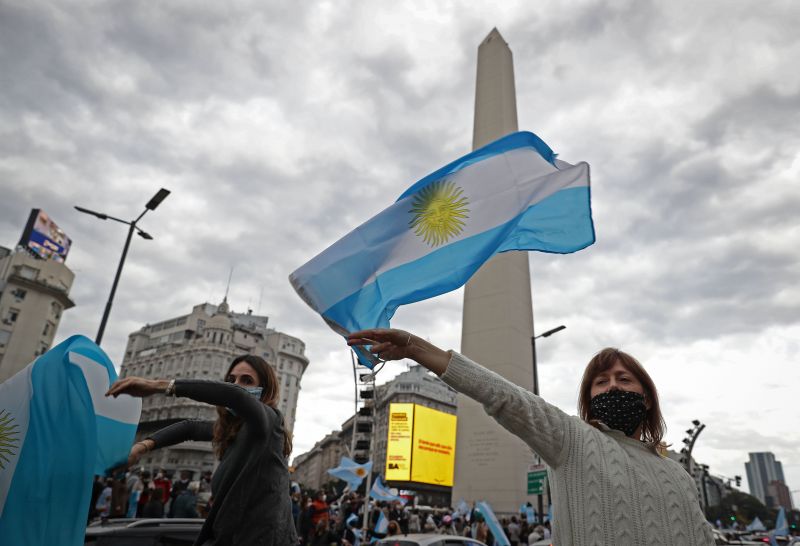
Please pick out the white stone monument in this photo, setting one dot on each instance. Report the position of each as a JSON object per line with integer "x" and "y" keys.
{"x": 491, "y": 464}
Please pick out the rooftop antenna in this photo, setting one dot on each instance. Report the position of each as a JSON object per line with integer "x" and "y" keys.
{"x": 260, "y": 295}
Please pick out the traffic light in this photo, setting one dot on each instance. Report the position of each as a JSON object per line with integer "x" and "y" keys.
{"x": 738, "y": 480}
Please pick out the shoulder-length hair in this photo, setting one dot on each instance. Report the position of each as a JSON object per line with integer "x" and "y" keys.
{"x": 227, "y": 425}
{"x": 653, "y": 427}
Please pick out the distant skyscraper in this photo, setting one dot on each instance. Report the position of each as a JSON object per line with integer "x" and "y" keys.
{"x": 762, "y": 470}
{"x": 34, "y": 292}
{"x": 202, "y": 345}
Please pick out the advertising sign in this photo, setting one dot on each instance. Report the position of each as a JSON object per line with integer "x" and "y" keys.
{"x": 44, "y": 238}
{"x": 398, "y": 444}
{"x": 433, "y": 454}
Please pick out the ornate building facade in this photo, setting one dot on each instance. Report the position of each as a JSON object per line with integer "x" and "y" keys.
{"x": 201, "y": 345}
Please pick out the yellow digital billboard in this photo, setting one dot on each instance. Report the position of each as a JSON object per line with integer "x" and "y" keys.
{"x": 434, "y": 446}
{"x": 398, "y": 443}
{"x": 421, "y": 445}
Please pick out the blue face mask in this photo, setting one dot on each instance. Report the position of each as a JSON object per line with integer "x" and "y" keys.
{"x": 254, "y": 391}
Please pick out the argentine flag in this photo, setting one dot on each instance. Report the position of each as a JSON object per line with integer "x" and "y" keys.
{"x": 512, "y": 194}
{"x": 351, "y": 472}
{"x": 57, "y": 429}
{"x": 380, "y": 492}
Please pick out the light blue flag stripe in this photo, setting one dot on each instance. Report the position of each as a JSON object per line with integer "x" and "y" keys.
{"x": 72, "y": 432}
{"x": 500, "y": 538}
{"x": 382, "y": 493}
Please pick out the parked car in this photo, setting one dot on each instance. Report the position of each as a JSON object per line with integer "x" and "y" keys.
{"x": 428, "y": 539}
{"x": 733, "y": 539}
{"x": 143, "y": 532}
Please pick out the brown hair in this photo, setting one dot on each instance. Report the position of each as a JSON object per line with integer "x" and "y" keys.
{"x": 227, "y": 425}
{"x": 653, "y": 426}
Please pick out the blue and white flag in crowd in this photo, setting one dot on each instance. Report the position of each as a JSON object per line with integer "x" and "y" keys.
{"x": 57, "y": 430}
{"x": 382, "y": 525}
{"x": 755, "y": 525}
{"x": 781, "y": 527}
{"x": 462, "y": 509}
{"x": 380, "y": 492}
{"x": 530, "y": 514}
{"x": 351, "y": 472}
{"x": 500, "y": 538}
{"x": 512, "y": 194}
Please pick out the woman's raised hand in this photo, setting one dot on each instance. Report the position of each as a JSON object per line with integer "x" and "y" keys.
{"x": 391, "y": 344}
{"x": 387, "y": 343}
{"x": 137, "y": 386}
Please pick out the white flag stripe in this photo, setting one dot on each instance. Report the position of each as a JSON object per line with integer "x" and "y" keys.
{"x": 125, "y": 409}
{"x": 15, "y": 398}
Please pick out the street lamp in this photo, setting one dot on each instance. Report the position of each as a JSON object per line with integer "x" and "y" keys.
{"x": 548, "y": 333}
{"x": 151, "y": 205}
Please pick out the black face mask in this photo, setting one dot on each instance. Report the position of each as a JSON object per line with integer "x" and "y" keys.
{"x": 620, "y": 410}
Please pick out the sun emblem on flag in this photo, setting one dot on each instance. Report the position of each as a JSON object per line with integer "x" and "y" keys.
{"x": 8, "y": 438}
{"x": 439, "y": 211}
{"x": 360, "y": 472}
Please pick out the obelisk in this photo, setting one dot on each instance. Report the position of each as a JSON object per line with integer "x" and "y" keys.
{"x": 491, "y": 463}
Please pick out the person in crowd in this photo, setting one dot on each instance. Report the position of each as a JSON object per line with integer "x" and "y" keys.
{"x": 103, "y": 504}
{"x": 611, "y": 482}
{"x": 536, "y": 534}
{"x": 181, "y": 484}
{"x": 98, "y": 485}
{"x": 161, "y": 481}
{"x": 393, "y": 529}
{"x": 513, "y": 531}
{"x": 414, "y": 524}
{"x": 251, "y": 484}
{"x": 184, "y": 505}
{"x": 155, "y": 505}
{"x": 145, "y": 492}
{"x": 447, "y": 527}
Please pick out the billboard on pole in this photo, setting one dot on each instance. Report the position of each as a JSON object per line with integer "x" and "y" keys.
{"x": 43, "y": 237}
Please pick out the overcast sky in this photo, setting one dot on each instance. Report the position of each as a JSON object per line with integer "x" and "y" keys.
{"x": 279, "y": 127}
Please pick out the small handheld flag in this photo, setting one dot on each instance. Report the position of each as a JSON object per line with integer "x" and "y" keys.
{"x": 512, "y": 194}
{"x": 380, "y": 492}
{"x": 351, "y": 472}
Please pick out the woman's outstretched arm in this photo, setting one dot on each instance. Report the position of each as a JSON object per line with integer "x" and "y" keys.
{"x": 539, "y": 424}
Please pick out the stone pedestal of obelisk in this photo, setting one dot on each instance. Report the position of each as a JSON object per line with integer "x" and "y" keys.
{"x": 491, "y": 464}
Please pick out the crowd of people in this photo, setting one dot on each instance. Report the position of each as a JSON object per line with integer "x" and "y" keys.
{"x": 139, "y": 494}
{"x": 323, "y": 519}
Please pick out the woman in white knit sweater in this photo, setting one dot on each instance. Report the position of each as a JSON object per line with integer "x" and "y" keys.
{"x": 610, "y": 483}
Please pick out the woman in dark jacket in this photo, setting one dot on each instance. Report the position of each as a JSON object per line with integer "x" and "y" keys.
{"x": 251, "y": 484}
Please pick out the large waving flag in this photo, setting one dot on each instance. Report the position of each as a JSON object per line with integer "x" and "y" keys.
{"x": 382, "y": 525}
{"x": 509, "y": 195}
{"x": 500, "y": 538}
{"x": 380, "y": 492}
{"x": 351, "y": 472}
{"x": 57, "y": 429}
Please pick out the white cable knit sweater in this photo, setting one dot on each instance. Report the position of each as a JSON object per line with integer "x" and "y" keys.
{"x": 608, "y": 489}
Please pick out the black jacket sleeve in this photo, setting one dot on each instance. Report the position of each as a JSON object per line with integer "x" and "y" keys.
{"x": 231, "y": 396}
{"x": 201, "y": 431}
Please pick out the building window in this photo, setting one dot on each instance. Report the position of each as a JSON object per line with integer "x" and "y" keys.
{"x": 48, "y": 328}
{"x": 11, "y": 316}
{"x": 28, "y": 272}
{"x": 55, "y": 307}
{"x": 4, "y": 337}
{"x": 19, "y": 294}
